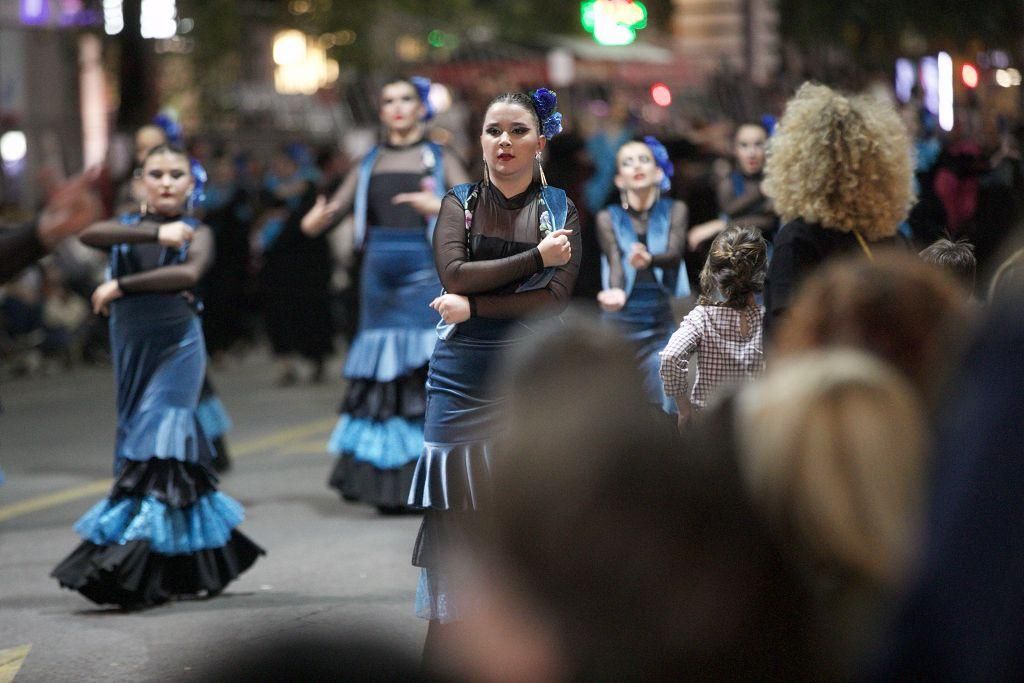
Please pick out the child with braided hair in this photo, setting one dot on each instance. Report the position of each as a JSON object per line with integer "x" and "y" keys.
{"x": 724, "y": 329}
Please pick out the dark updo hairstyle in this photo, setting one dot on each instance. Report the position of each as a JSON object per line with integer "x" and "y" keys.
{"x": 736, "y": 267}
{"x": 168, "y": 148}
{"x": 523, "y": 100}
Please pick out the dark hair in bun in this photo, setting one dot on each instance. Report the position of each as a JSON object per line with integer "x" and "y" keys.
{"x": 736, "y": 267}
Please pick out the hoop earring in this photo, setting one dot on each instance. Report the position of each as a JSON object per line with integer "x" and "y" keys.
{"x": 487, "y": 174}
{"x": 540, "y": 167}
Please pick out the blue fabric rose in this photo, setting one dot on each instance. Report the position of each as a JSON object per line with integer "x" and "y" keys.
{"x": 199, "y": 186}
{"x": 170, "y": 128}
{"x": 662, "y": 160}
{"x": 422, "y": 85}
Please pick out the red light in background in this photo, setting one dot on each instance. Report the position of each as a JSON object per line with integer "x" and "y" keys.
{"x": 661, "y": 95}
{"x": 969, "y": 75}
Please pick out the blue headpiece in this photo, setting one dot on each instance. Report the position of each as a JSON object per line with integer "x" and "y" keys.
{"x": 422, "y": 85}
{"x": 199, "y": 178}
{"x": 662, "y": 160}
{"x": 544, "y": 103}
{"x": 170, "y": 128}
{"x": 769, "y": 121}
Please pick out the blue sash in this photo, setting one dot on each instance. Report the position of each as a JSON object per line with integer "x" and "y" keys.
{"x": 675, "y": 282}
{"x": 363, "y": 189}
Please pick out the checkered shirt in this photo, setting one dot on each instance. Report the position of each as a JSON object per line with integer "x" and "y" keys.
{"x": 724, "y": 355}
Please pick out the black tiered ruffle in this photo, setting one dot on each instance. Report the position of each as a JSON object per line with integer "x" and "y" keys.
{"x": 361, "y": 481}
{"x": 132, "y": 576}
{"x": 404, "y": 396}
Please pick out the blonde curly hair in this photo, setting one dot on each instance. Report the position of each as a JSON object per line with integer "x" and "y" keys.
{"x": 843, "y": 162}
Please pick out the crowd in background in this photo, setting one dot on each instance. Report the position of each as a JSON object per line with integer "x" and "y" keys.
{"x": 967, "y": 183}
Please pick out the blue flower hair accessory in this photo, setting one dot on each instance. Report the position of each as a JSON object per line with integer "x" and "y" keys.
{"x": 199, "y": 178}
{"x": 769, "y": 121}
{"x": 662, "y": 160}
{"x": 544, "y": 103}
{"x": 170, "y": 128}
{"x": 422, "y": 85}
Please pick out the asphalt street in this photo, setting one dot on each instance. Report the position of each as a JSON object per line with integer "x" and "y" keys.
{"x": 331, "y": 567}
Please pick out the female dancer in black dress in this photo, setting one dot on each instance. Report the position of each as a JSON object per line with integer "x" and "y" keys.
{"x": 505, "y": 249}
{"x": 394, "y": 192}
{"x": 164, "y": 530}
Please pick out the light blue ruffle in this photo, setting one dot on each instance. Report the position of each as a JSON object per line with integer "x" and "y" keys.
{"x": 166, "y": 432}
{"x": 382, "y": 354}
{"x": 203, "y": 525}
{"x": 390, "y": 444}
{"x": 213, "y": 417}
{"x": 434, "y": 598}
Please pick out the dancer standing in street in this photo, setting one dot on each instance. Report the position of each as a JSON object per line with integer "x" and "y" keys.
{"x": 642, "y": 241}
{"x": 395, "y": 192}
{"x": 165, "y": 530}
{"x": 506, "y": 249}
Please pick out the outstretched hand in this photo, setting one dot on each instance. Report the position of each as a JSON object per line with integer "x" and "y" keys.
{"x": 319, "y": 217}
{"x": 425, "y": 203}
{"x": 73, "y": 206}
{"x": 612, "y": 299}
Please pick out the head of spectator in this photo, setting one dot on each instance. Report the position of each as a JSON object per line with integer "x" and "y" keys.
{"x": 735, "y": 268}
{"x": 956, "y": 258}
{"x": 748, "y": 146}
{"x": 832, "y": 450}
{"x": 147, "y": 138}
{"x": 841, "y": 162}
{"x": 605, "y": 556}
{"x": 902, "y": 310}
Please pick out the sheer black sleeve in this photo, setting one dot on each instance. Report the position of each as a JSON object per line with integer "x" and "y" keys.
{"x": 673, "y": 253}
{"x": 105, "y": 234}
{"x": 345, "y": 195}
{"x": 19, "y": 247}
{"x": 458, "y": 274}
{"x": 549, "y": 301}
{"x": 610, "y": 247}
{"x": 179, "y": 276}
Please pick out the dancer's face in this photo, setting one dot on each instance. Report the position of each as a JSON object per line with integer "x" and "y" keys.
{"x": 510, "y": 140}
{"x": 400, "y": 107}
{"x": 168, "y": 182}
{"x": 750, "y": 142}
{"x": 637, "y": 169}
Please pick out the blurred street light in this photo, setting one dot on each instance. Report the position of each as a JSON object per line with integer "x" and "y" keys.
{"x": 302, "y": 64}
{"x": 13, "y": 147}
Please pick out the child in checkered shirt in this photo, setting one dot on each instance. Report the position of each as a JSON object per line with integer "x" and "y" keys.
{"x": 724, "y": 329}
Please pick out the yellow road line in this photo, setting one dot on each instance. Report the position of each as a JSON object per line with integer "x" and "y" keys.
{"x": 264, "y": 443}
{"x": 11, "y": 660}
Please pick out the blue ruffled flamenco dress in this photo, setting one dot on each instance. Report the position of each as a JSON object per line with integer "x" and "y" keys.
{"x": 379, "y": 435}
{"x": 165, "y": 530}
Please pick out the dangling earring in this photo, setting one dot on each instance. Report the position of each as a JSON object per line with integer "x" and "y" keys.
{"x": 143, "y": 208}
{"x": 622, "y": 198}
{"x": 540, "y": 167}
{"x": 487, "y": 174}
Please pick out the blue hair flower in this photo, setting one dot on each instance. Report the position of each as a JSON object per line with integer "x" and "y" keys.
{"x": 422, "y": 85}
{"x": 662, "y": 160}
{"x": 769, "y": 121}
{"x": 552, "y": 125}
{"x": 199, "y": 185}
{"x": 170, "y": 128}
{"x": 544, "y": 103}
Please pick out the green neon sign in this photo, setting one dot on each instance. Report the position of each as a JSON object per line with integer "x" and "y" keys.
{"x": 613, "y": 22}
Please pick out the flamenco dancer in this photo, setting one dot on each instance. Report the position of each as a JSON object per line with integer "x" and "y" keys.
{"x": 395, "y": 192}
{"x": 505, "y": 248}
{"x": 165, "y": 530}
{"x": 642, "y": 242}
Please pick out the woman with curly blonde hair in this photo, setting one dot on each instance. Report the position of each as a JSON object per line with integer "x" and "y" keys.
{"x": 840, "y": 172}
